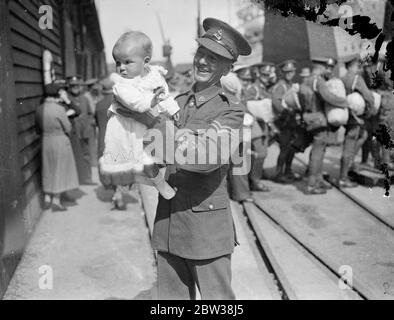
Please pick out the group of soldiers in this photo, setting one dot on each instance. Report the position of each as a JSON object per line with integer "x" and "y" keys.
{"x": 83, "y": 96}
{"x": 303, "y": 124}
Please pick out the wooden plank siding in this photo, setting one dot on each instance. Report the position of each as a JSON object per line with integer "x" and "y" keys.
{"x": 28, "y": 41}
{"x": 22, "y": 43}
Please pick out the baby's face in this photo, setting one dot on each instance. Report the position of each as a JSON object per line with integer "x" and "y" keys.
{"x": 130, "y": 59}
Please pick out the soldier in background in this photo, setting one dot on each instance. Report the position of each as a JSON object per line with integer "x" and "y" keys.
{"x": 317, "y": 124}
{"x": 356, "y": 133}
{"x": 251, "y": 91}
{"x": 273, "y": 77}
{"x": 238, "y": 185}
{"x": 93, "y": 94}
{"x": 286, "y": 123}
{"x": 265, "y": 83}
{"x": 305, "y": 74}
{"x": 378, "y": 80}
{"x": 81, "y": 131}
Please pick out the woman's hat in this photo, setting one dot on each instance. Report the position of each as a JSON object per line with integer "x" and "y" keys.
{"x": 52, "y": 89}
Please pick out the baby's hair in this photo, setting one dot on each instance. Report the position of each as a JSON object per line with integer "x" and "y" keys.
{"x": 138, "y": 36}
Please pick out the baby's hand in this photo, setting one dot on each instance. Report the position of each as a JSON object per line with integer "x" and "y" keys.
{"x": 159, "y": 95}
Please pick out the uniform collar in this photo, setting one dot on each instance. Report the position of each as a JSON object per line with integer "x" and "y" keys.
{"x": 205, "y": 95}
{"x": 262, "y": 85}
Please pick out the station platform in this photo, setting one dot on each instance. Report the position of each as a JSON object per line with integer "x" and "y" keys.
{"x": 92, "y": 252}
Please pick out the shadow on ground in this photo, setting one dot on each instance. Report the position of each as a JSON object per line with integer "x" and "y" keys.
{"x": 105, "y": 195}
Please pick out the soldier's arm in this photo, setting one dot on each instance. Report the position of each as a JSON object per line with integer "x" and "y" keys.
{"x": 74, "y": 107}
{"x": 277, "y": 96}
{"x": 329, "y": 97}
{"x": 202, "y": 147}
{"x": 215, "y": 144}
{"x": 362, "y": 88}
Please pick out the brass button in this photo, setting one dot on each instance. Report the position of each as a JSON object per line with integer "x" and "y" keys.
{"x": 211, "y": 207}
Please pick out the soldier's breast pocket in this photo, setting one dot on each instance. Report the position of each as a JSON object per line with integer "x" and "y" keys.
{"x": 211, "y": 222}
{"x": 212, "y": 204}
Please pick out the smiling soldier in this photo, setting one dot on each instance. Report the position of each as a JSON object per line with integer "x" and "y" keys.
{"x": 194, "y": 232}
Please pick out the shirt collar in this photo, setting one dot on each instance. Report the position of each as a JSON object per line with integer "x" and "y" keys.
{"x": 205, "y": 95}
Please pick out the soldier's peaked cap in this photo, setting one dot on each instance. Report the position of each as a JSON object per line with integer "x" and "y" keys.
{"x": 332, "y": 62}
{"x": 244, "y": 73}
{"x": 265, "y": 67}
{"x": 288, "y": 65}
{"x": 75, "y": 80}
{"x": 350, "y": 60}
{"x": 223, "y": 39}
{"x": 320, "y": 60}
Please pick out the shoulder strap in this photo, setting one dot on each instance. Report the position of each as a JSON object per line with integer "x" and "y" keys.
{"x": 314, "y": 84}
{"x": 354, "y": 82}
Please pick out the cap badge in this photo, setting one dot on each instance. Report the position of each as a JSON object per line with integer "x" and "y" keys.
{"x": 218, "y": 34}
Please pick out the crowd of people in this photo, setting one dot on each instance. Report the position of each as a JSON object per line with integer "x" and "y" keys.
{"x": 71, "y": 121}
{"x": 309, "y": 113}
{"x": 194, "y": 232}
{"x": 295, "y": 115}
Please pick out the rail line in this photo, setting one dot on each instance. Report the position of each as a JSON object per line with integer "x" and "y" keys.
{"x": 354, "y": 199}
{"x": 267, "y": 256}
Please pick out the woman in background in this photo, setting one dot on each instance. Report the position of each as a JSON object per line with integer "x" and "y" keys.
{"x": 59, "y": 172}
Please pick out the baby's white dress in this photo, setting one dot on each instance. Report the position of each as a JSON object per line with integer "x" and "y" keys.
{"x": 123, "y": 151}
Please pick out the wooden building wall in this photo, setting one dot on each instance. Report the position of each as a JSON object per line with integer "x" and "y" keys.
{"x": 22, "y": 44}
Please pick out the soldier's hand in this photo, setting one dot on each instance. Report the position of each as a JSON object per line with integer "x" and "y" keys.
{"x": 159, "y": 95}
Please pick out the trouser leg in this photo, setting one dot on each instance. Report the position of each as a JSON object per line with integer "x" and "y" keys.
{"x": 289, "y": 161}
{"x": 349, "y": 149}
{"x": 386, "y": 155}
{"x": 362, "y": 137}
{"x": 86, "y": 161}
{"x": 260, "y": 153}
{"x": 213, "y": 278}
{"x": 238, "y": 180}
{"x": 377, "y": 151}
{"x": 175, "y": 280}
{"x": 317, "y": 157}
{"x": 366, "y": 150}
{"x": 284, "y": 140}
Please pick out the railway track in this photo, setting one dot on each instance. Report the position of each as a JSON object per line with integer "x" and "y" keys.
{"x": 330, "y": 246}
{"x": 386, "y": 219}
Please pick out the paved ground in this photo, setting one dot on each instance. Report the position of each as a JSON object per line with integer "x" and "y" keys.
{"x": 94, "y": 253}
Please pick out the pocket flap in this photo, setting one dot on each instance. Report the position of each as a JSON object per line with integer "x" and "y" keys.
{"x": 211, "y": 204}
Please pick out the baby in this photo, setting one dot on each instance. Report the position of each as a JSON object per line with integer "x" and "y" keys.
{"x": 137, "y": 89}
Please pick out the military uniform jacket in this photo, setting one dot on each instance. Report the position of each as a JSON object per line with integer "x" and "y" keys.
{"x": 83, "y": 122}
{"x": 283, "y": 117}
{"x": 197, "y": 223}
{"x": 251, "y": 92}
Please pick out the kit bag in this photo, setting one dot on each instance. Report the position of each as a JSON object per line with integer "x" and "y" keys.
{"x": 314, "y": 120}
{"x": 336, "y": 116}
